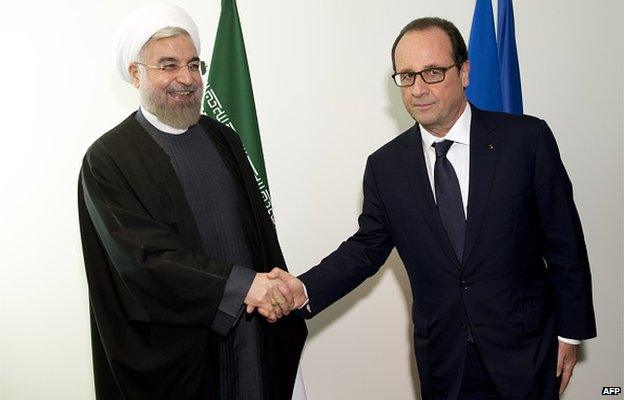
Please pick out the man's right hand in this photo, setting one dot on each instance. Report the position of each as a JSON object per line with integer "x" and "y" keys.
{"x": 269, "y": 296}
{"x": 294, "y": 286}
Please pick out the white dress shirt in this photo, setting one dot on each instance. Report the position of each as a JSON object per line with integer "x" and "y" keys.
{"x": 458, "y": 154}
{"x": 459, "y": 157}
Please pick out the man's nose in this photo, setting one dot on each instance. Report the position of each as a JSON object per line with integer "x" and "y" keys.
{"x": 184, "y": 75}
{"x": 419, "y": 88}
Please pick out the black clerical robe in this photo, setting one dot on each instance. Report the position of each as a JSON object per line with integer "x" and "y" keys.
{"x": 153, "y": 293}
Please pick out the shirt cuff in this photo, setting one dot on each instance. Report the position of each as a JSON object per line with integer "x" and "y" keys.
{"x": 569, "y": 341}
{"x": 231, "y": 305}
{"x": 306, "y": 304}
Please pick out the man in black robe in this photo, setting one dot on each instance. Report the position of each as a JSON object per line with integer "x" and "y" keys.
{"x": 177, "y": 241}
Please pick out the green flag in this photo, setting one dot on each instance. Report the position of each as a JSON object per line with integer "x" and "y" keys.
{"x": 229, "y": 98}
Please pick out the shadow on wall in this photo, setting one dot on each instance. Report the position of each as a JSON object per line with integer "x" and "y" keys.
{"x": 395, "y": 266}
{"x": 395, "y": 108}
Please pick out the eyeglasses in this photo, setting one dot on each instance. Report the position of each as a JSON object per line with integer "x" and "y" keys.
{"x": 428, "y": 75}
{"x": 171, "y": 68}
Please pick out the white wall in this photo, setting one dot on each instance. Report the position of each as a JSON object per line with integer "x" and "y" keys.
{"x": 320, "y": 71}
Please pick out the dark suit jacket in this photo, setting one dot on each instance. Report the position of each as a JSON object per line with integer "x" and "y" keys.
{"x": 153, "y": 293}
{"x": 524, "y": 278}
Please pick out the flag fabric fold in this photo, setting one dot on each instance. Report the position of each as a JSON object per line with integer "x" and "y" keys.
{"x": 494, "y": 70}
{"x": 228, "y": 97}
{"x": 511, "y": 89}
{"x": 484, "y": 90}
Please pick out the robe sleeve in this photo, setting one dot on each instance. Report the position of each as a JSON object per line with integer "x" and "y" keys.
{"x": 231, "y": 306}
{"x": 158, "y": 279}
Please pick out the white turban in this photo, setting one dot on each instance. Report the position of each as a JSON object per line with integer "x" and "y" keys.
{"x": 140, "y": 25}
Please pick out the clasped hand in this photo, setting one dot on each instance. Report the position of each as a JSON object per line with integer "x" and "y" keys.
{"x": 275, "y": 294}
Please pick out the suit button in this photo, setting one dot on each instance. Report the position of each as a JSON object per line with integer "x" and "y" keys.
{"x": 465, "y": 285}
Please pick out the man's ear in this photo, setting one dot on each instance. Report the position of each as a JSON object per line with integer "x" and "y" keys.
{"x": 133, "y": 70}
{"x": 464, "y": 73}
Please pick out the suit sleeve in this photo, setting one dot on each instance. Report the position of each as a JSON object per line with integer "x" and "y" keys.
{"x": 158, "y": 279}
{"x": 564, "y": 245}
{"x": 356, "y": 259}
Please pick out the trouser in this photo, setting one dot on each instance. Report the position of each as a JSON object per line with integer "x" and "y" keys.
{"x": 476, "y": 382}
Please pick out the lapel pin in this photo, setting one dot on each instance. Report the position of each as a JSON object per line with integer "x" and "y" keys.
{"x": 490, "y": 147}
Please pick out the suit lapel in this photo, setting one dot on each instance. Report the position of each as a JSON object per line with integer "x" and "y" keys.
{"x": 416, "y": 171}
{"x": 483, "y": 155}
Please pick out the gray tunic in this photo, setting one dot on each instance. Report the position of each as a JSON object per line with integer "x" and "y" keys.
{"x": 223, "y": 217}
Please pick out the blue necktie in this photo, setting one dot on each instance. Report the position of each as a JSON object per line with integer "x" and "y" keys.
{"x": 448, "y": 197}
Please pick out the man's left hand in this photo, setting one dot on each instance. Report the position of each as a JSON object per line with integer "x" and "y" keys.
{"x": 566, "y": 360}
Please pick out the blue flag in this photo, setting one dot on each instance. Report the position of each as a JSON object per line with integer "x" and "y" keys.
{"x": 511, "y": 89}
{"x": 484, "y": 89}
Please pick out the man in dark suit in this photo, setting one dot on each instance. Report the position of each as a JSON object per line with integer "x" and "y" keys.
{"x": 480, "y": 209}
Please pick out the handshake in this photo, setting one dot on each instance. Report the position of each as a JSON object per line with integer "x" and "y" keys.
{"x": 275, "y": 294}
